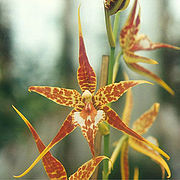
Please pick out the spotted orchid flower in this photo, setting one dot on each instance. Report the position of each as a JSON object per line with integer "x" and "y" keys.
{"x": 141, "y": 126}
{"x": 54, "y": 168}
{"x": 131, "y": 41}
{"x": 89, "y": 109}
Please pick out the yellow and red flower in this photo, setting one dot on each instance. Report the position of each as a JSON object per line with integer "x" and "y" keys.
{"x": 89, "y": 109}
{"x": 131, "y": 41}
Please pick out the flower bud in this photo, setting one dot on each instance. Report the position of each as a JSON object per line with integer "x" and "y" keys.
{"x": 104, "y": 130}
{"x": 113, "y": 6}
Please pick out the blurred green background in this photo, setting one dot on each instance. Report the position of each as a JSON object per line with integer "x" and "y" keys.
{"x": 39, "y": 46}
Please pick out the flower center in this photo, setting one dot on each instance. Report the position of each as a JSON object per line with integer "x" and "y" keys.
{"x": 87, "y": 97}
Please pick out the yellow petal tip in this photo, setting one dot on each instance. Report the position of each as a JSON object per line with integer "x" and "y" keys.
{"x": 79, "y": 22}
{"x": 17, "y": 176}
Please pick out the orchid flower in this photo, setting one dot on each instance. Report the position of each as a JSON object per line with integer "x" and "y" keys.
{"x": 54, "y": 168}
{"x": 141, "y": 126}
{"x": 131, "y": 41}
{"x": 89, "y": 109}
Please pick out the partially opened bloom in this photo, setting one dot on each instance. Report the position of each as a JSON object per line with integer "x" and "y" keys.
{"x": 54, "y": 168}
{"x": 89, "y": 109}
{"x": 141, "y": 126}
{"x": 113, "y": 6}
{"x": 131, "y": 41}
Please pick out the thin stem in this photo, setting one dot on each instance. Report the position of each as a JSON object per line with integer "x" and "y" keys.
{"x": 111, "y": 65}
{"x": 106, "y": 153}
{"x": 102, "y": 82}
{"x": 116, "y": 151}
{"x": 116, "y": 25}
{"x": 106, "y": 137}
{"x": 110, "y": 34}
{"x": 116, "y": 66}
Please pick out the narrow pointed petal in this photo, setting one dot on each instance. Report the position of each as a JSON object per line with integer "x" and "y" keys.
{"x": 163, "y": 45}
{"x": 142, "y": 42}
{"x": 85, "y": 75}
{"x": 142, "y": 124}
{"x": 128, "y": 105}
{"x": 87, "y": 169}
{"x": 66, "y": 97}
{"x": 132, "y": 15}
{"x": 142, "y": 148}
{"x": 88, "y": 121}
{"x": 124, "y": 161}
{"x": 141, "y": 70}
{"x": 114, "y": 120}
{"x": 136, "y": 173}
{"x": 130, "y": 29}
{"x": 130, "y": 57}
{"x": 66, "y": 129}
{"x": 113, "y": 92}
{"x": 53, "y": 168}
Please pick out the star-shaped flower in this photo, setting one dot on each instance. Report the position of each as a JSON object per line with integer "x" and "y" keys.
{"x": 141, "y": 126}
{"x": 131, "y": 41}
{"x": 89, "y": 109}
{"x": 54, "y": 168}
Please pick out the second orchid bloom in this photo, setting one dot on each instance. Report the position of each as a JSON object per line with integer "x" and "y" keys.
{"x": 131, "y": 41}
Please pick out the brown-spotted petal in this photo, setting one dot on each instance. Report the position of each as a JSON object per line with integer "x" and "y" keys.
{"x": 128, "y": 104}
{"x": 142, "y": 42}
{"x": 145, "y": 121}
{"x": 130, "y": 29}
{"x": 66, "y": 129}
{"x": 142, "y": 148}
{"x": 85, "y": 75}
{"x": 132, "y": 16}
{"x": 88, "y": 119}
{"x": 53, "y": 168}
{"x": 87, "y": 169}
{"x": 130, "y": 57}
{"x": 62, "y": 96}
{"x": 124, "y": 161}
{"x": 113, "y": 92}
{"x": 145, "y": 72}
{"x": 114, "y": 120}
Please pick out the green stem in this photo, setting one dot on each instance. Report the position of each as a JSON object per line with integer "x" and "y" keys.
{"x": 111, "y": 65}
{"x": 116, "y": 25}
{"x": 110, "y": 34}
{"x": 116, "y": 66}
{"x": 106, "y": 153}
{"x": 117, "y": 151}
{"x": 106, "y": 137}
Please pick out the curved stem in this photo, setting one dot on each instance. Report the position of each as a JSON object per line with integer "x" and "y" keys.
{"x": 110, "y": 34}
{"x": 116, "y": 66}
{"x": 116, "y": 151}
